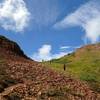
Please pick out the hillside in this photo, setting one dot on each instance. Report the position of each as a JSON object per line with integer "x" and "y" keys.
{"x": 25, "y": 79}
{"x": 83, "y": 64}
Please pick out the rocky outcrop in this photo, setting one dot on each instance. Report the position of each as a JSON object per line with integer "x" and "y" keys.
{"x": 10, "y": 47}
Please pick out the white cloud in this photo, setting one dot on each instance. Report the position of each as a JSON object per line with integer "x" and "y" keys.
{"x": 88, "y": 17}
{"x": 14, "y": 15}
{"x": 44, "y": 53}
{"x": 69, "y": 47}
{"x": 65, "y": 47}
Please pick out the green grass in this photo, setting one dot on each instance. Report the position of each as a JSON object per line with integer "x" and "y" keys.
{"x": 83, "y": 64}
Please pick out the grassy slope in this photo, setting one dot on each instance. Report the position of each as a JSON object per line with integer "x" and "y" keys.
{"x": 83, "y": 64}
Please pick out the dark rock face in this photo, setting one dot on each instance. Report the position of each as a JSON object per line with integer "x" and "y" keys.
{"x": 10, "y": 46}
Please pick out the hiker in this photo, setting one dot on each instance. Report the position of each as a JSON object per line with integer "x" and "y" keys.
{"x": 50, "y": 61}
{"x": 42, "y": 60}
{"x": 64, "y": 67}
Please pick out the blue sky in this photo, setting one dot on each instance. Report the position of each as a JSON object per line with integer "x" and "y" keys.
{"x": 48, "y": 29}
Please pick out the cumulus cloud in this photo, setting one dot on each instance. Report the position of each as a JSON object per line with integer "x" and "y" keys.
{"x": 14, "y": 15}
{"x": 88, "y": 17}
{"x": 44, "y": 53}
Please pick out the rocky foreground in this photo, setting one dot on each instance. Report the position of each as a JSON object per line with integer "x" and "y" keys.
{"x": 24, "y": 79}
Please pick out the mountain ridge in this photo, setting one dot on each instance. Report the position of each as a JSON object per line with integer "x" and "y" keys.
{"x": 11, "y": 47}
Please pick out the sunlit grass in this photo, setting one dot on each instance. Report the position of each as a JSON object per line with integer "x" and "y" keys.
{"x": 82, "y": 65}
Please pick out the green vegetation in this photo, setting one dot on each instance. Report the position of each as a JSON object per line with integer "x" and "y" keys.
{"x": 83, "y": 64}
